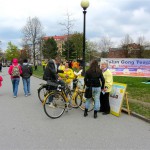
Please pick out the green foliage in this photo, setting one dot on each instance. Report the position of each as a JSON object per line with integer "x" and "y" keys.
{"x": 74, "y": 46}
{"x": 69, "y": 48}
{"x": 49, "y": 48}
{"x": 77, "y": 39}
{"x": 12, "y": 52}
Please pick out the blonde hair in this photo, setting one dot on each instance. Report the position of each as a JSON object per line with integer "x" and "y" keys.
{"x": 104, "y": 62}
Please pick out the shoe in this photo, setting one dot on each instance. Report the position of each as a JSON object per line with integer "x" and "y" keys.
{"x": 29, "y": 93}
{"x": 95, "y": 114}
{"x": 51, "y": 105}
{"x": 106, "y": 113}
{"x": 85, "y": 112}
{"x": 26, "y": 95}
{"x": 15, "y": 96}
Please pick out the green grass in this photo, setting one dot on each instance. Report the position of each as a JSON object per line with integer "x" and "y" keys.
{"x": 139, "y": 109}
{"x": 135, "y": 88}
{"x": 38, "y": 72}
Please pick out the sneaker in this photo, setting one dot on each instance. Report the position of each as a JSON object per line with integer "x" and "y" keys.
{"x": 29, "y": 93}
{"x": 51, "y": 105}
{"x": 26, "y": 95}
{"x": 15, "y": 96}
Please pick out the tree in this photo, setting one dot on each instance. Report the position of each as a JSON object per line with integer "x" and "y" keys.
{"x": 92, "y": 51}
{"x": 73, "y": 46}
{"x": 69, "y": 49}
{"x": 12, "y": 52}
{"x": 77, "y": 40}
{"x": 67, "y": 26}
{"x": 33, "y": 33}
{"x": 49, "y": 48}
{"x": 126, "y": 41}
{"x": 104, "y": 45}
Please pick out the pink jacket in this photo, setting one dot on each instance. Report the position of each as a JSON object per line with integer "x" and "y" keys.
{"x": 1, "y": 79}
{"x": 15, "y": 63}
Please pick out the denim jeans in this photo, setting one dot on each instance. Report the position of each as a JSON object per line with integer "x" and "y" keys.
{"x": 15, "y": 83}
{"x": 26, "y": 85}
{"x": 96, "y": 94}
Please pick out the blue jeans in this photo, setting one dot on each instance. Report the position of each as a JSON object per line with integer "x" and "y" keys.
{"x": 96, "y": 94}
{"x": 26, "y": 85}
{"x": 15, "y": 83}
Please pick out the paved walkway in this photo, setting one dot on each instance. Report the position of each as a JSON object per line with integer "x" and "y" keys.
{"x": 24, "y": 126}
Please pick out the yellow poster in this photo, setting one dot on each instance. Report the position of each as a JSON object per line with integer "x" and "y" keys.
{"x": 116, "y": 98}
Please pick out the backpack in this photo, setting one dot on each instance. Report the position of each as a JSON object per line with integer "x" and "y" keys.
{"x": 26, "y": 71}
{"x": 15, "y": 71}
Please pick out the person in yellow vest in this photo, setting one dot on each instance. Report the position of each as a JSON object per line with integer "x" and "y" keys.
{"x": 104, "y": 96}
{"x": 61, "y": 66}
{"x": 68, "y": 75}
{"x": 44, "y": 64}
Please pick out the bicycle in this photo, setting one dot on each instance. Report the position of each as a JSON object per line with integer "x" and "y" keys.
{"x": 63, "y": 99}
{"x": 60, "y": 100}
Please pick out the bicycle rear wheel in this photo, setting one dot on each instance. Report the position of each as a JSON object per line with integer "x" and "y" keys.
{"x": 42, "y": 93}
{"x": 55, "y": 108}
{"x": 80, "y": 101}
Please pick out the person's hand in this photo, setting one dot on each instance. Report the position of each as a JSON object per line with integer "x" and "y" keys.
{"x": 67, "y": 76}
{"x": 59, "y": 78}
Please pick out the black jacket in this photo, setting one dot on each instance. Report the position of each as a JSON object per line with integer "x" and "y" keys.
{"x": 51, "y": 72}
{"x": 94, "y": 79}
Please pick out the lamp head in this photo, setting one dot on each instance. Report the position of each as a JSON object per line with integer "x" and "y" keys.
{"x": 84, "y": 4}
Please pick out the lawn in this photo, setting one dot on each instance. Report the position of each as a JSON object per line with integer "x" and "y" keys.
{"x": 138, "y": 92}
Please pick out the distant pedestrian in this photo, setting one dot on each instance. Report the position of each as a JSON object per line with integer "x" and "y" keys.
{"x": 15, "y": 71}
{"x": 1, "y": 79}
{"x": 36, "y": 64}
{"x": 26, "y": 74}
{"x": 0, "y": 66}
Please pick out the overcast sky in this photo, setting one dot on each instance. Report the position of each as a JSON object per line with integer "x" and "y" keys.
{"x": 113, "y": 18}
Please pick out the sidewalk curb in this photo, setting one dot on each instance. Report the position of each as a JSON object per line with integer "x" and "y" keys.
{"x": 136, "y": 115}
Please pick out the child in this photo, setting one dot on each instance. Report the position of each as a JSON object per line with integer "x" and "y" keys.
{"x": 1, "y": 79}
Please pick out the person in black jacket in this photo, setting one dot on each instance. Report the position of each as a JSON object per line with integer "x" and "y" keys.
{"x": 94, "y": 78}
{"x": 26, "y": 74}
{"x": 51, "y": 73}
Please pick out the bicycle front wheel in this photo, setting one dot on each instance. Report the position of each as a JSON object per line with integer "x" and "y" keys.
{"x": 54, "y": 105}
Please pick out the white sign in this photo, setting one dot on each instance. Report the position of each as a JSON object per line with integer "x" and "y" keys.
{"x": 116, "y": 98}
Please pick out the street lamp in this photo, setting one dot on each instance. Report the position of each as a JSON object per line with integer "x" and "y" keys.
{"x": 84, "y": 5}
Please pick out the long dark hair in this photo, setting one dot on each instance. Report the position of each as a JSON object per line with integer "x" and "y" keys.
{"x": 94, "y": 67}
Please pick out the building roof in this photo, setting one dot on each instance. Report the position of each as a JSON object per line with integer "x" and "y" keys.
{"x": 57, "y": 38}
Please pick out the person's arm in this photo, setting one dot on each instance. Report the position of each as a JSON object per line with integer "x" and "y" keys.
{"x": 20, "y": 69}
{"x": 31, "y": 71}
{"x": 10, "y": 70}
{"x": 102, "y": 81}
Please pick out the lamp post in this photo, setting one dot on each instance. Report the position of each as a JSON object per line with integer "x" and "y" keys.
{"x": 84, "y": 5}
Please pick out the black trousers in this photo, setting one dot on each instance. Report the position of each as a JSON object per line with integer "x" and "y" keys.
{"x": 104, "y": 102}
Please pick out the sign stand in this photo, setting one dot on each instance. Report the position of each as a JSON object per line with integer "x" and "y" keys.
{"x": 127, "y": 104}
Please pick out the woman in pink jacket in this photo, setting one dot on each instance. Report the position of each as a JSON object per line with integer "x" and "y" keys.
{"x": 15, "y": 71}
{"x": 1, "y": 79}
